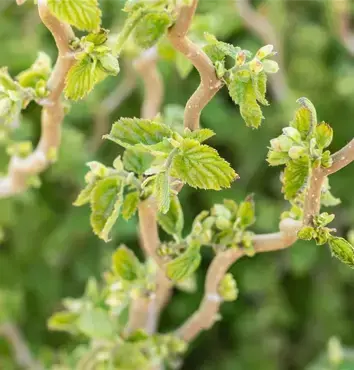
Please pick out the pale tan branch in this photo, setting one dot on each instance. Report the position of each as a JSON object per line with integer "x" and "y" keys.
{"x": 206, "y": 315}
{"x": 209, "y": 84}
{"x": 341, "y": 10}
{"x": 19, "y": 346}
{"x": 313, "y": 196}
{"x": 262, "y": 28}
{"x": 21, "y": 169}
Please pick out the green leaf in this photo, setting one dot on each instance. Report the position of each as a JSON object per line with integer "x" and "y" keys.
{"x": 125, "y": 264}
{"x": 63, "y": 321}
{"x": 81, "y": 79}
{"x": 82, "y": 14}
{"x": 200, "y": 166}
{"x": 228, "y": 288}
{"x": 85, "y": 194}
{"x": 222, "y": 47}
{"x": 200, "y": 135}
{"x": 246, "y": 212}
{"x": 305, "y": 118}
{"x": 131, "y": 131}
{"x": 236, "y": 90}
{"x": 329, "y": 200}
{"x": 130, "y": 205}
{"x": 342, "y": 250}
{"x": 137, "y": 161}
{"x": 295, "y": 175}
{"x": 173, "y": 221}
{"x": 95, "y": 323}
{"x": 106, "y": 200}
{"x": 151, "y": 28}
{"x": 323, "y": 135}
{"x": 249, "y": 108}
{"x": 162, "y": 191}
{"x": 214, "y": 53}
{"x": 260, "y": 87}
{"x": 184, "y": 266}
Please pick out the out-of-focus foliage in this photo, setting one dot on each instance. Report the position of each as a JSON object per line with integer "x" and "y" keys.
{"x": 290, "y": 303}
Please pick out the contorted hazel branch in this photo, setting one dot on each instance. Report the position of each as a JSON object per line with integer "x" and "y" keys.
{"x": 21, "y": 169}
{"x": 209, "y": 84}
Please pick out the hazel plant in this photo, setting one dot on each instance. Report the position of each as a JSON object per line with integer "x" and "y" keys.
{"x": 116, "y": 320}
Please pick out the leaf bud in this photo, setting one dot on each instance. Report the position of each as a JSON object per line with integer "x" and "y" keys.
{"x": 228, "y": 288}
{"x": 270, "y": 66}
{"x": 292, "y": 133}
{"x": 240, "y": 58}
{"x": 296, "y": 152}
{"x": 306, "y": 233}
{"x": 109, "y": 64}
{"x": 256, "y": 66}
{"x": 281, "y": 144}
{"x": 326, "y": 159}
{"x": 264, "y": 51}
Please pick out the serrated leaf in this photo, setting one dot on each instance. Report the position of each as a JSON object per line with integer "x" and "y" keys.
{"x": 342, "y": 250}
{"x": 173, "y": 221}
{"x": 151, "y": 28}
{"x": 260, "y": 87}
{"x": 125, "y": 264}
{"x": 106, "y": 200}
{"x": 246, "y": 212}
{"x": 131, "y": 131}
{"x": 249, "y": 108}
{"x": 95, "y": 323}
{"x": 130, "y": 205}
{"x": 137, "y": 161}
{"x": 81, "y": 79}
{"x": 85, "y": 194}
{"x": 162, "y": 191}
{"x": 329, "y": 200}
{"x": 236, "y": 90}
{"x": 85, "y": 15}
{"x": 323, "y": 135}
{"x": 214, "y": 53}
{"x": 200, "y": 166}
{"x": 295, "y": 174}
{"x": 200, "y": 135}
{"x": 185, "y": 265}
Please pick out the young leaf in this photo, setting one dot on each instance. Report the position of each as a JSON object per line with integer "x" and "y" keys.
{"x": 82, "y": 14}
{"x": 295, "y": 175}
{"x": 172, "y": 222}
{"x": 200, "y": 135}
{"x": 305, "y": 118}
{"x": 85, "y": 194}
{"x": 131, "y": 131}
{"x": 342, "y": 250}
{"x": 200, "y": 166}
{"x": 137, "y": 161}
{"x": 246, "y": 212}
{"x": 63, "y": 321}
{"x": 130, "y": 205}
{"x": 106, "y": 200}
{"x": 323, "y": 135}
{"x": 125, "y": 264}
{"x": 236, "y": 90}
{"x": 249, "y": 108}
{"x": 162, "y": 191}
{"x": 183, "y": 266}
{"x": 95, "y": 323}
{"x": 260, "y": 87}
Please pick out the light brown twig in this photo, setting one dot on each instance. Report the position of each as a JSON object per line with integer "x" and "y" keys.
{"x": 21, "y": 169}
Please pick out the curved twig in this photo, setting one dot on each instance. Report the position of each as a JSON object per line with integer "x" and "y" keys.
{"x": 21, "y": 169}
{"x": 209, "y": 84}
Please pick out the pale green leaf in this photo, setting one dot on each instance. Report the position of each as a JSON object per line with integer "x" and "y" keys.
{"x": 342, "y": 250}
{"x": 295, "y": 176}
{"x": 162, "y": 191}
{"x": 236, "y": 90}
{"x": 228, "y": 288}
{"x": 200, "y": 135}
{"x": 323, "y": 135}
{"x": 63, "y": 321}
{"x": 200, "y": 166}
{"x": 131, "y": 131}
{"x": 82, "y": 14}
{"x": 125, "y": 264}
{"x": 260, "y": 87}
{"x": 95, "y": 323}
{"x": 106, "y": 200}
{"x": 246, "y": 212}
{"x": 85, "y": 194}
{"x": 130, "y": 205}
{"x": 249, "y": 108}
{"x": 173, "y": 221}
{"x": 184, "y": 265}
{"x": 137, "y": 161}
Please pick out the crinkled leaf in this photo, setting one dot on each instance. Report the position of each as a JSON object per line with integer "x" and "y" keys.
{"x": 151, "y": 28}
{"x": 214, "y": 53}
{"x": 131, "y": 131}
{"x": 323, "y": 135}
{"x": 85, "y": 194}
{"x": 137, "y": 161}
{"x": 130, "y": 205}
{"x": 200, "y": 166}
{"x": 260, "y": 87}
{"x": 329, "y": 200}
{"x": 295, "y": 175}
{"x": 200, "y": 135}
{"x": 125, "y": 264}
{"x": 342, "y": 250}
{"x": 236, "y": 90}
{"x": 95, "y": 323}
{"x": 172, "y": 221}
{"x": 249, "y": 108}
{"x": 305, "y": 118}
{"x": 184, "y": 266}
{"x": 246, "y": 212}
{"x": 162, "y": 191}
{"x": 82, "y": 14}
{"x": 106, "y": 200}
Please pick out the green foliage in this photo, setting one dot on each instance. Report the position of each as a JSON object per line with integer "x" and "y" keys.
{"x": 125, "y": 264}
{"x": 228, "y": 288}
{"x": 342, "y": 250}
{"x": 172, "y": 221}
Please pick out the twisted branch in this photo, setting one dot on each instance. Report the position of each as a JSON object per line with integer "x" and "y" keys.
{"x": 21, "y": 169}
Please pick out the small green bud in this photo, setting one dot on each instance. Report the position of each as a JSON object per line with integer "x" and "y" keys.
{"x": 220, "y": 69}
{"x": 306, "y": 233}
{"x": 292, "y": 133}
{"x": 264, "y": 51}
{"x": 222, "y": 223}
{"x": 109, "y": 64}
{"x": 281, "y": 143}
{"x": 270, "y": 66}
{"x": 321, "y": 236}
{"x": 342, "y": 250}
{"x": 256, "y": 66}
{"x": 277, "y": 158}
{"x": 296, "y": 152}
{"x": 228, "y": 288}
{"x": 326, "y": 159}
{"x": 324, "y": 219}
{"x": 240, "y": 58}
{"x": 41, "y": 89}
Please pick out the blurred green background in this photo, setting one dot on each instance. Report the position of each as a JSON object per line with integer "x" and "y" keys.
{"x": 290, "y": 302}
